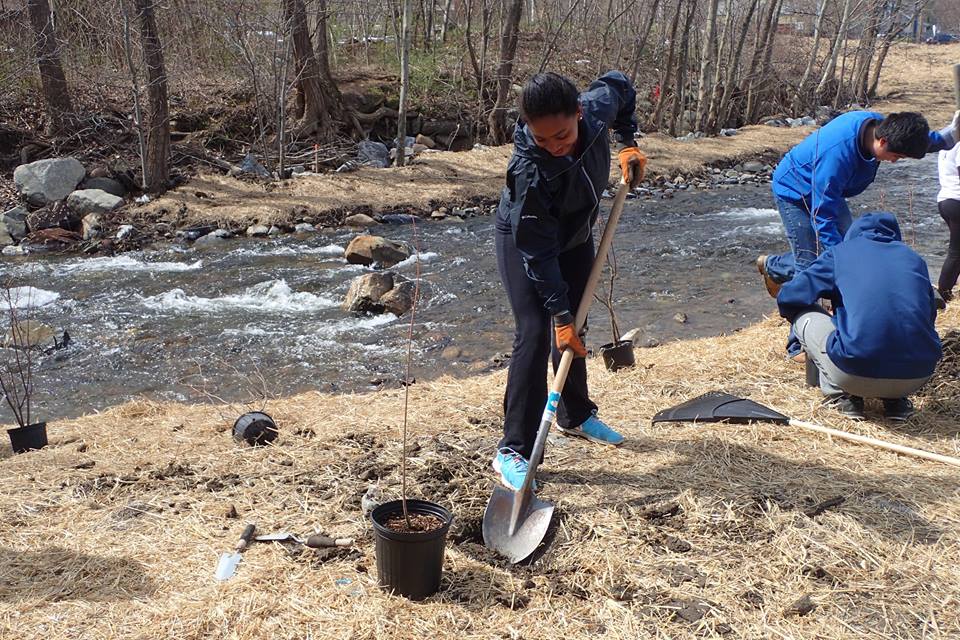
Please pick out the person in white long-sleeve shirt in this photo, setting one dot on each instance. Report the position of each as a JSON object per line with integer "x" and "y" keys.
{"x": 948, "y": 202}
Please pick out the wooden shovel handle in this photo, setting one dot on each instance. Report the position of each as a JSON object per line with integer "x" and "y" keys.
{"x": 874, "y": 442}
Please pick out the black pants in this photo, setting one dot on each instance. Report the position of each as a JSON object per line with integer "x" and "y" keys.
{"x": 533, "y": 341}
{"x": 950, "y": 212}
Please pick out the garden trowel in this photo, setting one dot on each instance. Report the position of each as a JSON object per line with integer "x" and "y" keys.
{"x": 515, "y": 522}
{"x": 229, "y": 561}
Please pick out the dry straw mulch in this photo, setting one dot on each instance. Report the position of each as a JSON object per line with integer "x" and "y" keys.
{"x": 685, "y": 531}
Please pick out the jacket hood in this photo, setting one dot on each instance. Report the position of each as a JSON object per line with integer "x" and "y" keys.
{"x": 879, "y": 227}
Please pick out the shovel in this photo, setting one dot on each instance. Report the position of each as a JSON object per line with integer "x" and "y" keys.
{"x": 717, "y": 406}
{"x": 229, "y": 561}
{"x": 515, "y": 522}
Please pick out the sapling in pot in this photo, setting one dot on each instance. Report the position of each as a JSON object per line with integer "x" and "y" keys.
{"x": 16, "y": 370}
{"x": 410, "y": 534}
{"x": 619, "y": 353}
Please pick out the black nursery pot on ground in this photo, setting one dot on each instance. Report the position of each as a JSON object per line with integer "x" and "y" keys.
{"x": 32, "y": 436}
{"x": 617, "y": 355}
{"x": 410, "y": 563}
{"x": 255, "y": 428}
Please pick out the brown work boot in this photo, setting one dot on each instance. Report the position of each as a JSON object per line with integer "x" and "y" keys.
{"x": 773, "y": 287}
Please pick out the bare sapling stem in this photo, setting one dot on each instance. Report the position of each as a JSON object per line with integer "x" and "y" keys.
{"x": 406, "y": 378}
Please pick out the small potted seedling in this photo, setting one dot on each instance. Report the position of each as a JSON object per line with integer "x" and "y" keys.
{"x": 410, "y": 535}
{"x": 16, "y": 370}
{"x": 619, "y": 353}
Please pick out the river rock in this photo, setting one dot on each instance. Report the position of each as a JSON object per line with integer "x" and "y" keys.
{"x": 14, "y": 250}
{"x": 125, "y": 231}
{"x": 46, "y": 181}
{"x": 367, "y": 249}
{"x": 5, "y": 238}
{"x": 426, "y": 141}
{"x": 304, "y": 227}
{"x": 366, "y": 292}
{"x": 15, "y": 220}
{"x": 53, "y": 216}
{"x": 258, "y": 230}
{"x": 86, "y": 201}
{"x": 438, "y": 215}
{"x": 680, "y": 317}
{"x": 373, "y": 154}
{"x": 274, "y": 231}
{"x": 214, "y": 237}
{"x": 754, "y": 166}
{"x": 111, "y": 186}
{"x": 399, "y": 299}
{"x": 92, "y": 227}
{"x": 361, "y": 220}
{"x": 251, "y": 165}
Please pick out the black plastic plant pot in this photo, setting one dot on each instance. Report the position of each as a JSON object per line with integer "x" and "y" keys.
{"x": 32, "y": 436}
{"x": 617, "y": 355}
{"x": 410, "y": 563}
{"x": 255, "y": 428}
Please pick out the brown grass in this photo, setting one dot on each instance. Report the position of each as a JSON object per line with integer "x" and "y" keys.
{"x": 708, "y": 516}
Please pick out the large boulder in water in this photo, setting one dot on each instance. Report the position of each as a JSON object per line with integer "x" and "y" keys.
{"x": 367, "y": 249}
{"x": 399, "y": 300}
{"x": 366, "y": 292}
{"x": 48, "y": 180}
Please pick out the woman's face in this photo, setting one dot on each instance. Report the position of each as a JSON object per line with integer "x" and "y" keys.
{"x": 556, "y": 134}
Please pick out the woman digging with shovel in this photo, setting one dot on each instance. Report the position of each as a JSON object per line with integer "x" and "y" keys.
{"x": 544, "y": 238}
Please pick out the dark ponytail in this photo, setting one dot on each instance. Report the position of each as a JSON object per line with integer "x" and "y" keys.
{"x": 547, "y": 94}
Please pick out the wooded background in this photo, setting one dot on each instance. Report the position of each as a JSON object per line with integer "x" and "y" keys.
{"x": 285, "y": 75}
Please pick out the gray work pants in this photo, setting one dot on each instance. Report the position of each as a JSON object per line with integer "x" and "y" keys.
{"x": 814, "y": 329}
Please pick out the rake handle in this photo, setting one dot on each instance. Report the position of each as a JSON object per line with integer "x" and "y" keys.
{"x": 566, "y": 360}
{"x": 956, "y": 84}
{"x": 874, "y": 442}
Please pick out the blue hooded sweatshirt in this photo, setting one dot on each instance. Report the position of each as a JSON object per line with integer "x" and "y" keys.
{"x": 829, "y": 166}
{"x": 550, "y": 204}
{"x": 883, "y": 302}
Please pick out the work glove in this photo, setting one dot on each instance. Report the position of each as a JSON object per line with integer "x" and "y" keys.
{"x": 566, "y": 335}
{"x": 951, "y": 132}
{"x": 632, "y": 164}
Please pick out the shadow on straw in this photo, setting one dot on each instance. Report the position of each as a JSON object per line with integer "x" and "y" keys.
{"x": 55, "y": 574}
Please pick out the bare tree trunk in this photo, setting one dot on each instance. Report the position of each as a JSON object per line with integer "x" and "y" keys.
{"x": 322, "y": 102}
{"x": 642, "y": 42}
{"x": 56, "y": 98}
{"x": 729, "y": 83}
{"x": 157, "y": 165}
{"x": 812, "y": 60}
{"x": 447, "y": 8}
{"x": 763, "y": 38}
{"x": 868, "y": 44}
{"x": 508, "y": 50}
{"x": 753, "y": 98}
{"x": 891, "y": 35}
{"x": 657, "y": 117}
{"x": 404, "y": 83}
{"x": 679, "y": 94}
{"x": 831, "y": 67}
{"x": 708, "y": 58}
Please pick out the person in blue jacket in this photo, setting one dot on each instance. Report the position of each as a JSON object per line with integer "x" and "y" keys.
{"x": 544, "y": 241}
{"x": 880, "y": 341}
{"x": 838, "y": 161}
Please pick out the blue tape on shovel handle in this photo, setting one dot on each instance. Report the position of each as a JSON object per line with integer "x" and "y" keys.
{"x": 550, "y": 411}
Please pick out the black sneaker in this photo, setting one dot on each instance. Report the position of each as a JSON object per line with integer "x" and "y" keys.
{"x": 850, "y": 406}
{"x": 898, "y": 410}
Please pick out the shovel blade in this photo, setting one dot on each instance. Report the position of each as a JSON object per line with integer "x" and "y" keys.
{"x": 227, "y": 566}
{"x": 531, "y": 524}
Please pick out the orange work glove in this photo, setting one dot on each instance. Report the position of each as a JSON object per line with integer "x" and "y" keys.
{"x": 566, "y": 335}
{"x": 632, "y": 163}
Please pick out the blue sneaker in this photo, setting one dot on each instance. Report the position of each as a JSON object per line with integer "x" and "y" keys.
{"x": 595, "y": 430}
{"x": 512, "y": 468}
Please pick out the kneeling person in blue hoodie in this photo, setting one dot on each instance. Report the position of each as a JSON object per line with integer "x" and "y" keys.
{"x": 880, "y": 341}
